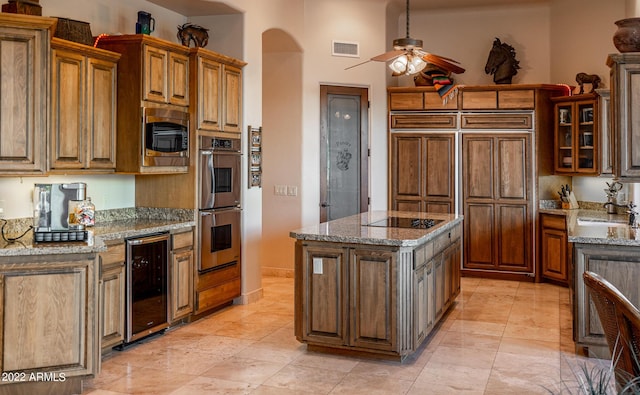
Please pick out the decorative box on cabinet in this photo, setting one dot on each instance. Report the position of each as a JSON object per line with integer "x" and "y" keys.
{"x": 576, "y": 135}
{"x": 24, "y": 70}
{"x": 216, "y": 91}
{"x": 151, "y": 73}
{"x": 625, "y": 115}
{"x": 83, "y": 126}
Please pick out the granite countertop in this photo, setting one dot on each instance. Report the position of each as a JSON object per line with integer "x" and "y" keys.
{"x": 98, "y": 235}
{"x": 355, "y": 229}
{"x": 591, "y": 232}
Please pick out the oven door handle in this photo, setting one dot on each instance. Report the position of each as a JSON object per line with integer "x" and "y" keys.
{"x": 212, "y": 174}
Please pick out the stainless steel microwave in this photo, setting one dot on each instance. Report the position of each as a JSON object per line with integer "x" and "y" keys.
{"x": 165, "y": 137}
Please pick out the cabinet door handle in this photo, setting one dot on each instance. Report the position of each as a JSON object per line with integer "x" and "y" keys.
{"x": 325, "y": 204}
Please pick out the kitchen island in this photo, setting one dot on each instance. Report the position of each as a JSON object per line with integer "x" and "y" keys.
{"x": 375, "y": 284}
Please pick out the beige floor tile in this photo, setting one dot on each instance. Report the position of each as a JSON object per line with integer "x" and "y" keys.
{"x": 303, "y": 378}
{"x": 326, "y": 361}
{"x": 468, "y": 357}
{"x": 476, "y": 342}
{"x": 477, "y": 327}
{"x": 272, "y": 352}
{"x": 212, "y": 386}
{"x": 451, "y": 379}
{"x": 525, "y": 331}
{"x": 148, "y": 381}
{"x": 365, "y": 384}
{"x": 244, "y": 370}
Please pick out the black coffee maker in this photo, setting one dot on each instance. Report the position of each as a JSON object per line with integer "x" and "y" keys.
{"x": 146, "y": 24}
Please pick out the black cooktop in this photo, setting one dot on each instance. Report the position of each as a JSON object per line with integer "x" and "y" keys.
{"x": 401, "y": 222}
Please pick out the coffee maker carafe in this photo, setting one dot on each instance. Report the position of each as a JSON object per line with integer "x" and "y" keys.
{"x": 146, "y": 24}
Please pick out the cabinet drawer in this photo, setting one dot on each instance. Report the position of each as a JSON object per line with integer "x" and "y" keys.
{"x": 433, "y": 101}
{"x": 497, "y": 121}
{"x": 442, "y": 241}
{"x": 114, "y": 254}
{"x": 524, "y": 99}
{"x": 182, "y": 240}
{"x": 553, "y": 221}
{"x": 424, "y": 121}
{"x": 487, "y": 100}
{"x": 406, "y": 101}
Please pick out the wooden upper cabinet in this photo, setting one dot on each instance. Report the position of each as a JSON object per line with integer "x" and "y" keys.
{"x": 178, "y": 79}
{"x": 24, "y": 72}
{"x": 165, "y": 76}
{"x": 418, "y": 99}
{"x": 625, "y": 115}
{"x": 576, "y": 135}
{"x": 83, "y": 101}
{"x": 216, "y": 91}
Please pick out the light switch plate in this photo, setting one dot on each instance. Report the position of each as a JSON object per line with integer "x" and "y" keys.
{"x": 317, "y": 265}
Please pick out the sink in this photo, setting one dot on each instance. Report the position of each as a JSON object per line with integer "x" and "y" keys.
{"x": 402, "y": 222}
{"x": 600, "y": 222}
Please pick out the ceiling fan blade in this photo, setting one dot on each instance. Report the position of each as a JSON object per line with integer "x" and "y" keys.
{"x": 359, "y": 64}
{"x": 443, "y": 63}
{"x": 388, "y": 55}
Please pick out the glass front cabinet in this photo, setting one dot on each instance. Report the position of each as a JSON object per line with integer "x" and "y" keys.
{"x": 576, "y": 135}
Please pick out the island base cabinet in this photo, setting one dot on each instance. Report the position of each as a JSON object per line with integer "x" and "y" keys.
{"x": 621, "y": 267}
{"x": 48, "y": 327}
{"x": 373, "y": 300}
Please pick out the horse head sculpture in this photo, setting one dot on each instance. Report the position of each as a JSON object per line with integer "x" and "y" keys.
{"x": 190, "y": 32}
{"x": 502, "y": 62}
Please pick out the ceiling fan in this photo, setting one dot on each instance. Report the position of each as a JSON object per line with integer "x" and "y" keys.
{"x": 408, "y": 57}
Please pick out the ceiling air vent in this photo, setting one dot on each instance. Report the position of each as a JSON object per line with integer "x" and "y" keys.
{"x": 345, "y": 48}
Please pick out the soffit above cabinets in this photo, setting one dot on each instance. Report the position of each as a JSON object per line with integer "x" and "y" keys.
{"x": 197, "y": 7}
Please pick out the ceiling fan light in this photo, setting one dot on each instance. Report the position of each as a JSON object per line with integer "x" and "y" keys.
{"x": 399, "y": 64}
{"x": 416, "y": 65}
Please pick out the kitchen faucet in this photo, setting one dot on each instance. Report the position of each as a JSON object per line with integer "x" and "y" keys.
{"x": 633, "y": 214}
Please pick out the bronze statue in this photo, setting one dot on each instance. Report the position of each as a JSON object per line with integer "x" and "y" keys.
{"x": 502, "y": 62}
{"x": 584, "y": 78}
{"x": 190, "y": 32}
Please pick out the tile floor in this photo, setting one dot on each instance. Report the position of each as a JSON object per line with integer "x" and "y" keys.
{"x": 500, "y": 337}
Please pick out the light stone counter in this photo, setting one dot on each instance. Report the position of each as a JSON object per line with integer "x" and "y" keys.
{"x": 120, "y": 229}
{"x": 356, "y": 229}
{"x": 594, "y": 233}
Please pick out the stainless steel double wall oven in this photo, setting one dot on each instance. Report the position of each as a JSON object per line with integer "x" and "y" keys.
{"x": 219, "y": 206}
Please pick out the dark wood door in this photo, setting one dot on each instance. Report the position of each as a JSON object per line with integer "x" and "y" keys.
{"x": 497, "y": 201}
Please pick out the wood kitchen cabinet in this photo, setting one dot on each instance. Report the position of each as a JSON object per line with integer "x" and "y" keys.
{"x": 24, "y": 71}
{"x": 497, "y": 205}
{"x": 424, "y": 166}
{"x": 576, "y": 135}
{"x": 216, "y": 91}
{"x": 554, "y": 249}
{"x": 48, "y": 315}
{"x": 620, "y": 265}
{"x": 181, "y": 271}
{"x": 152, "y": 73}
{"x": 83, "y": 101}
{"x": 625, "y": 115}
{"x": 374, "y": 300}
{"x": 112, "y": 295}
{"x": 482, "y": 156}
